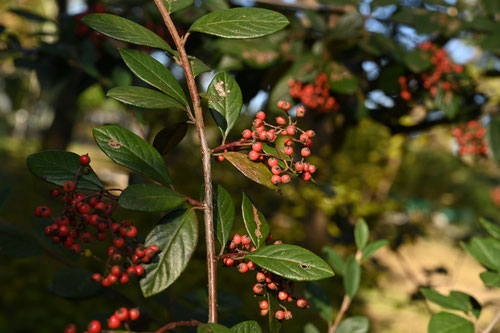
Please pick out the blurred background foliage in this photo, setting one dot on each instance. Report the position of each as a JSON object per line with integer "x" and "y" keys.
{"x": 389, "y": 160}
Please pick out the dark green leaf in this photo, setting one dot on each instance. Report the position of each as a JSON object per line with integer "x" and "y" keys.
{"x": 361, "y": 233}
{"x": 256, "y": 171}
{"x": 319, "y": 300}
{"x": 176, "y": 235}
{"x": 225, "y": 101}
{"x": 150, "y": 198}
{"x": 173, "y": 6}
{"x": 129, "y": 150}
{"x": 348, "y": 26}
{"x": 334, "y": 259}
{"x": 310, "y": 328}
{"x": 292, "y": 262}
{"x": 73, "y": 283}
{"x": 444, "y": 322}
{"x": 352, "y": 276}
{"x": 274, "y": 324}
{"x": 355, "y": 324}
{"x": 153, "y": 72}
{"x": 485, "y": 250}
{"x": 169, "y": 137}
{"x": 417, "y": 61}
{"x": 345, "y": 86}
{"x": 449, "y": 103}
{"x": 490, "y": 279}
{"x": 58, "y": 167}
{"x": 372, "y": 247}
{"x": 240, "y": 23}
{"x": 123, "y": 29}
{"x": 144, "y": 98}
{"x": 492, "y": 228}
{"x": 472, "y": 304}
{"x": 448, "y": 302}
{"x": 17, "y": 243}
{"x": 249, "y": 326}
{"x": 223, "y": 214}
{"x": 198, "y": 66}
{"x": 255, "y": 222}
{"x": 494, "y": 136}
{"x": 213, "y": 328}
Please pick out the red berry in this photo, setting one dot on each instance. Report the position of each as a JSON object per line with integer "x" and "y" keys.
{"x": 105, "y": 282}
{"x": 305, "y": 151}
{"x": 96, "y": 277}
{"x": 100, "y": 206}
{"x": 301, "y": 112}
{"x": 264, "y": 305}
{"x": 242, "y": 267}
{"x": 253, "y": 155}
{"x": 299, "y": 166}
{"x": 288, "y": 151}
{"x": 139, "y": 270}
{"x": 282, "y": 295}
{"x": 312, "y": 168}
{"x": 270, "y": 136}
{"x": 283, "y": 105}
{"x": 84, "y": 159}
{"x": 276, "y": 170}
{"x": 124, "y": 278}
{"x": 247, "y": 134}
{"x": 257, "y": 147}
{"x": 310, "y": 133}
{"x": 228, "y": 262}
{"x": 257, "y": 123}
{"x": 302, "y": 303}
{"x": 264, "y": 312}
{"x": 155, "y": 248}
{"x": 272, "y": 286}
{"x": 261, "y": 277}
{"x": 114, "y": 322}
{"x": 290, "y": 130}
{"x": 257, "y": 288}
{"x": 251, "y": 265}
{"x": 131, "y": 231}
{"x": 121, "y": 314}
{"x": 115, "y": 270}
{"x": 288, "y": 315}
{"x": 272, "y": 162}
{"x": 220, "y": 158}
{"x": 237, "y": 239}
{"x": 69, "y": 186}
{"x": 76, "y": 248}
{"x": 42, "y": 211}
{"x": 94, "y": 326}
{"x": 245, "y": 239}
{"x": 261, "y": 115}
{"x": 306, "y": 176}
{"x": 55, "y": 193}
{"x": 133, "y": 314}
{"x": 280, "y": 120}
{"x": 70, "y": 328}
{"x": 118, "y": 242}
{"x": 276, "y": 179}
{"x": 285, "y": 179}
{"x": 279, "y": 315}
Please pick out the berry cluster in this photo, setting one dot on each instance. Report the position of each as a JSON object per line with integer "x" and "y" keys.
{"x": 442, "y": 75}
{"x": 279, "y": 160}
{"x": 314, "y": 96}
{"x": 470, "y": 137}
{"x": 122, "y": 315}
{"x": 267, "y": 282}
{"x": 88, "y": 217}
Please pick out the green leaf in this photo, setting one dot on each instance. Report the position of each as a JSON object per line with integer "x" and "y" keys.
{"x": 352, "y": 276}
{"x": 334, "y": 259}
{"x": 472, "y": 304}
{"x": 169, "y": 137}
{"x": 494, "y": 136}
{"x": 448, "y": 302}
{"x": 73, "y": 282}
{"x": 310, "y": 328}
{"x": 255, "y": 222}
{"x": 240, "y": 23}
{"x": 58, "y": 167}
{"x": 355, "y": 324}
{"x": 153, "y": 72}
{"x": 176, "y": 235}
{"x": 490, "y": 279}
{"x": 129, "y": 150}
{"x": 492, "y": 228}
{"x": 17, "y": 243}
{"x": 173, "y": 6}
{"x": 444, "y": 322}
{"x": 223, "y": 214}
{"x": 361, "y": 233}
{"x": 144, "y": 98}
{"x": 417, "y": 61}
{"x": 123, "y": 29}
{"x": 319, "y": 300}
{"x": 449, "y": 103}
{"x": 292, "y": 262}
{"x": 485, "y": 250}
{"x": 213, "y": 328}
{"x": 248, "y": 326}
{"x": 256, "y": 171}
{"x": 225, "y": 101}
{"x": 274, "y": 324}
{"x": 198, "y": 66}
{"x": 372, "y": 247}
{"x": 150, "y": 198}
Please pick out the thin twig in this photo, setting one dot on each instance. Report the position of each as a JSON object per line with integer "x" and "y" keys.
{"x": 492, "y": 323}
{"x": 343, "y": 308}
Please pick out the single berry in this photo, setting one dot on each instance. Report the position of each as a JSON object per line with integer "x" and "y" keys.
{"x": 122, "y": 314}
{"x": 264, "y": 312}
{"x": 69, "y": 186}
{"x": 251, "y": 265}
{"x": 280, "y": 120}
{"x": 283, "y": 105}
{"x": 285, "y": 179}
{"x": 97, "y": 277}
{"x": 257, "y": 123}
{"x": 302, "y": 303}
{"x": 253, "y": 155}
{"x": 312, "y": 168}
{"x": 272, "y": 286}
{"x": 94, "y": 327}
{"x": 257, "y": 147}
{"x": 242, "y": 267}
{"x": 115, "y": 270}
{"x": 299, "y": 166}
{"x": 70, "y": 328}
{"x": 290, "y": 130}
{"x": 220, "y": 158}
{"x": 310, "y": 133}
{"x": 282, "y": 295}
{"x": 55, "y": 193}
{"x": 261, "y": 115}
{"x": 257, "y": 288}
{"x": 276, "y": 170}
{"x": 288, "y": 315}
{"x": 246, "y": 134}
{"x": 114, "y": 322}
{"x": 245, "y": 240}
{"x": 228, "y": 262}
{"x": 237, "y": 239}
{"x": 261, "y": 277}
{"x": 280, "y": 315}
{"x": 288, "y": 151}
{"x": 133, "y": 314}
{"x": 139, "y": 270}
{"x": 306, "y": 176}
{"x": 264, "y": 305}
{"x": 276, "y": 179}
{"x": 305, "y": 151}
{"x": 42, "y": 211}
{"x": 270, "y": 136}
{"x": 84, "y": 159}
{"x": 301, "y": 112}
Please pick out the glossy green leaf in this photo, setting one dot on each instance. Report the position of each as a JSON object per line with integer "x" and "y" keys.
{"x": 255, "y": 222}
{"x": 169, "y": 137}
{"x": 249, "y": 326}
{"x": 173, "y": 6}
{"x": 361, "y": 233}
{"x": 334, "y": 259}
{"x": 74, "y": 282}
{"x": 274, "y": 324}
{"x": 198, "y": 66}
{"x": 494, "y": 136}
{"x": 144, "y": 98}
{"x": 373, "y": 247}
{"x": 292, "y": 262}
{"x": 256, "y": 171}
{"x": 17, "y": 243}
{"x": 448, "y": 302}
{"x": 223, "y": 214}
{"x": 129, "y": 150}
{"x": 153, "y": 72}
{"x": 123, "y": 29}
{"x": 492, "y": 228}
{"x": 240, "y": 23}
{"x": 355, "y": 324}
{"x": 213, "y": 328}
{"x": 176, "y": 235}
{"x": 58, "y": 167}
{"x": 225, "y": 101}
{"x": 352, "y": 276}
{"x": 150, "y": 198}
{"x": 490, "y": 279}
{"x": 485, "y": 250}
{"x": 444, "y": 322}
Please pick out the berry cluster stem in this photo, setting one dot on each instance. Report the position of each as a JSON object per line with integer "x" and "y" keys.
{"x": 205, "y": 156}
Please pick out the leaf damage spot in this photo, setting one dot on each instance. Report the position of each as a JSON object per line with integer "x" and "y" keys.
{"x": 304, "y": 266}
{"x": 219, "y": 86}
{"x": 256, "y": 218}
{"x": 112, "y": 143}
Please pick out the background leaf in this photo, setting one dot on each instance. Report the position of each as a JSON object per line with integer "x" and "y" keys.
{"x": 444, "y": 322}
{"x": 373, "y": 247}
{"x": 173, "y": 6}
{"x": 334, "y": 259}
{"x": 352, "y": 276}
{"x": 485, "y": 250}
{"x": 448, "y": 302}
{"x": 361, "y": 233}
{"x": 74, "y": 282}
{"x": 249, "y": 326}
{"x": 169, "y": 137}
{"x": 319, "y": 300}
{"x": 150, "y": 198}
{"x": 492, "y": 228}
{"x": 223, "y": 214}
{"x": 213, "y": 328}
{"x": 355, "y": 324}
{"x": 144, "y": 98}
{"x": 17, "y": 243}
{"x": 490, "y": 279}
{"x": 257, "y": 172}
{"x": 255, "y": 222}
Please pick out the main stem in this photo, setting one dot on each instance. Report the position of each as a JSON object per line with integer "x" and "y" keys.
{"x": 207, "y": 168}
{"x": 343, "y": 308}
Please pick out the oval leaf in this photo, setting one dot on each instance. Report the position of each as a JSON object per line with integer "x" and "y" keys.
{"x": 448, "y": 302}
{"x": 173, "y": 6}
{"x": 129, "y": 150}
{"x": 240, "y": 23}
{"x": 494, "y": 136}
{"x": 144, "y": 98}
{"x": 444, "y": 322}
{"x": 176, "y": 235}
{"x": 274, "y": 305}
{"x": 213, "y": 328}
{"x": 123, "y": 29}
{"x": 223, "y": 214}
{"x": 249, "y": 326}
{"x": 372, "y": 247}
{"x": 58, "y": 167}
{"x": 150, "y": 198}
{"x": 334, "y": 259}
{"x": 257, "y": 172}
{"x": 292, "y": 262}
{"x": 153, "y": 72}
{"x": 352, "y": 276}
{"x": 490, "y": 279}
{"x": 255, "y": 222}
{"x": 73, "y": 283}
{"x": 355, "y": 324}
{"x": 361, "y": 233}
{"x": 169, "y": 137}
{"x": 17, "y": 243}
{"x": 492, "y": 228}
{"x": 225, "y": 101}
{"x": 485, "y": 250}
{"x": 319, "y": 300}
